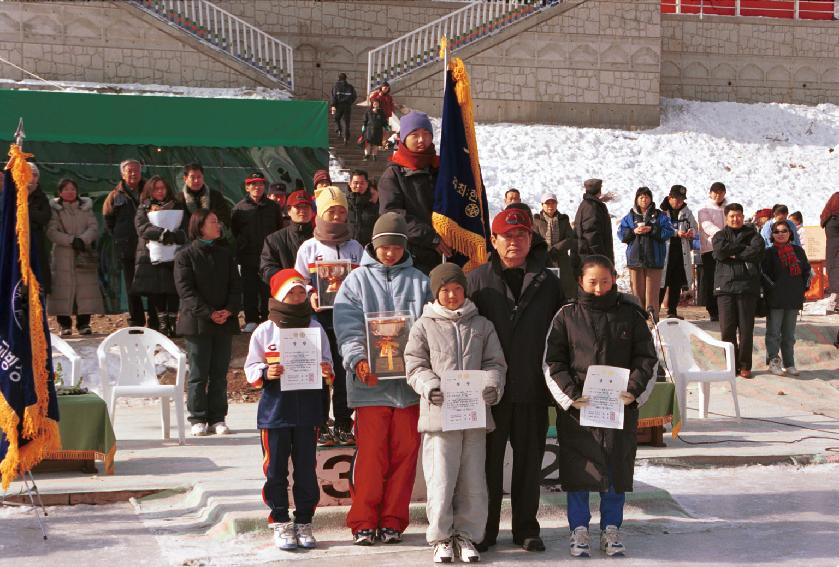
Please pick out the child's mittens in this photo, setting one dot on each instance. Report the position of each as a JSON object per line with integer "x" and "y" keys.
{"x": 435, "y": 396}
{"x": 326, "y": 372}
{"x": 362, "y": 370}
{"x": 490, "y": 395}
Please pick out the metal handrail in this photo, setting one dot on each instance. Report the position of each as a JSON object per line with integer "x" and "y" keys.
{"x": 228, "y": 33}
{"x": 477, "y": 20}
{"x": 787, "y": 9}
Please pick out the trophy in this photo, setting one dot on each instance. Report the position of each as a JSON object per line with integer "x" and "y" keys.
{"x": 388, "y": 336}
{"x": 331, "y": 274}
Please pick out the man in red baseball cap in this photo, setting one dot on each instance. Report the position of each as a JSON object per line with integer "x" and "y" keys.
{"x": 280, "y": 249}
{"x": 520, "y": 296}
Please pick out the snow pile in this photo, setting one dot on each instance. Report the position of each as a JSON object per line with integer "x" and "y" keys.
{"x": 150, "y": 90}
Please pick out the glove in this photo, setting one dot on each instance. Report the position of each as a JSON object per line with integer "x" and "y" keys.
{"x": 167, "y": 237}
{"x": 435, "y": 396}
{"x": 362, "y": 370}
{"x": 78, "y": 244}
{"x": 490, "y": 395}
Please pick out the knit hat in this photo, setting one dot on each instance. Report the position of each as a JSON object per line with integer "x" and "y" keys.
{"x": 414, "y": 121}
{"x": 593, "y": 186}
{"x": 277, "y": 188}
{"x": 298, "y": 198}
{"x": 255, "y": 177}
{"x": 329, "y": 197}
{"x": 548, "y": 197}
{"x": 511, "y": 219}
{"x": 763, "y": 214}
{"x": 643, "y": 191}
{"x": 321, "y": 176}
{"x": 390, "y": 230}
{"x": 446, "y": 273}
{"x": 679, "y": 192}
{"x": 284, "y": 281}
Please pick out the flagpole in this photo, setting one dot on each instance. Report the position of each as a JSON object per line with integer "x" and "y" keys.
{"x": 444, "y": 48}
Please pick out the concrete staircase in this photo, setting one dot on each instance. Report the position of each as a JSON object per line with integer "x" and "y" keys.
{"x": 350, "y": 156}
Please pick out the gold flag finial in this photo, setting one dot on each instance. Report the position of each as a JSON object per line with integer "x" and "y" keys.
{"x": 444, "y": 47}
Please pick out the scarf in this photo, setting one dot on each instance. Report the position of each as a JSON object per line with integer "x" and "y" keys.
{"x": 552, "y": 229}
{"x": 416, "y": 160}
{"x": 332, "y": 233}
{"x": 288, "y": 315}
{"x": 195, "y": 201}
{"x": 786, "y": 254}
{"x": 599, "y": 303}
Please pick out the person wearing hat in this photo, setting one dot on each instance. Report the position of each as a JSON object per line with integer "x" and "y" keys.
{"x": 331, "y": 241}
{"x": 645, "y": 230}
{"x": 280, "y": 248}
{"x": 760, "y": 218}
{"x": 780, "y": 214}
{"x": 593, "y": 224}
{"x": 321, "y": 179}
{"x": 278, "y": 193}
{"x": 343, "y": 97}
{"x": 711, "y": 220}
{"x": 287, "y": 420}
{"x": 253, "y": 219}
{"x": 555, "y": 228}
{"x": 451, "y": 336}
{"x": 407, "y": 187}
{"x": 678, "y": 273}
{"x": 386, "y": 411}
{"x": 520, "y": 296}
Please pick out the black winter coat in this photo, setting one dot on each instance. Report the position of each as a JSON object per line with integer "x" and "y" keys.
{"x": 411, "y": 193}
{"x": 40, "y": 214}
{"x": 343, "y": 95}
{"x": 563, "y": 254}
{"x": 207, "y": 198}
{"x": 610, "y": 330}
{"x": 374, "y": 126}
{"x": 361, "y": 216}
{"x": 738, "y": 254}
{"x": 831, "y": 231}
{"x": 207, "y": 280}
{"x": 155, "y": 278}
{"x": 118, "y": 212}
{"x": 521, "y": 325}
{"x": 280, "y": 249}
{"x": 594, "y": 228}
{"x": 251, "y": 224}
{"x": 782, "y": 290}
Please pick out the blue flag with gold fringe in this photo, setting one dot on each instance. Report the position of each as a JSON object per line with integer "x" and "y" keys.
{"x": 460, "y": 214}
{"x": 28, "y": 405}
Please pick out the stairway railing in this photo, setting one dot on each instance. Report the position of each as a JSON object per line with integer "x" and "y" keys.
{"x": 228, "y": 33}
{"x": 465, "y": 26}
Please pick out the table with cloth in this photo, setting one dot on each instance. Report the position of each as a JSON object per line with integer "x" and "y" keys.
{"x": 86, "y": 431}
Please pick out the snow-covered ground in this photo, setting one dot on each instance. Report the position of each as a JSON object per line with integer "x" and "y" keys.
{"x": 148, "y": 90}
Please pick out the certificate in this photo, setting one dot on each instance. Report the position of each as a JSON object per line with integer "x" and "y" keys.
{"x": 330, "y": 275}
{"x": 603, "y": 386}
{"x": 301, "y": 356}
{"x": 463, "y": 401}
{"x": 387, "y": 337}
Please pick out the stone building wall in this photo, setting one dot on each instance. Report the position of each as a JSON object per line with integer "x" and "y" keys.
{"x": 750, "y": 59}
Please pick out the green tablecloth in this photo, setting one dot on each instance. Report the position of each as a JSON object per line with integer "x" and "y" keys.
{"x": 86, "y": 431}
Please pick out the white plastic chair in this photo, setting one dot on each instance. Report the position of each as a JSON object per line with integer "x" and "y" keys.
{"x": 71, "y": 355}
{"x": 678, "y": 354}
{"x": 137, "y": 377}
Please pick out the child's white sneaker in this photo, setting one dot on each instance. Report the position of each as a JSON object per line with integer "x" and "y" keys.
{"x": 610, "y": 541}
{"x": 580, "y": 542}
{"x": 220, "y": 428}
{"x": 443, "y": 551}
{"x": 199, "y": 429}
{"x": 285, "y": 536}
{"x": 305, "y": 537}
{"x": 775, "y": 367}
{"x": 466, "y": 549}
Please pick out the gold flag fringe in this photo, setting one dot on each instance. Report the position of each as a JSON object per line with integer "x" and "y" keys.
{"x": 42, "y": 431}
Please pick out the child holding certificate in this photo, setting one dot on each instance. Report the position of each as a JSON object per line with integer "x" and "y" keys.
{"x": 600, "y": 327}
{"x": 451, "y": 335}
{"x": 386, "y": 410}
{"x": 288, "y": 420}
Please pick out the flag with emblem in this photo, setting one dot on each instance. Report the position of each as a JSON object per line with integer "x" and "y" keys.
{"x": 460, "y": 213}
{"x": 28, "y": 406}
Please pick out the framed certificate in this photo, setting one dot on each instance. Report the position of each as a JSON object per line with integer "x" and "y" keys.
{"x": 300, "y": 355}
{"x": 330, "y": 275}
{"x": 387, "y": 337}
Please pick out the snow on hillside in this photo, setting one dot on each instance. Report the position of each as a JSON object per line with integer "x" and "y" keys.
{"x": 151, "y": 89}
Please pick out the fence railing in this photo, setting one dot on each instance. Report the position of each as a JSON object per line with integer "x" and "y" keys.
{"x": 465, "y": 26}
{"x": 786, "y": 9}
{"x": 228, "y": 33}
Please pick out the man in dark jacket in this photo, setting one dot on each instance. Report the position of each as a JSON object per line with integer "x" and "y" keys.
{"x": 520, "y": 296}
{"x": 738, "y": 251}
{"x": 118, "y": 211}
{"x": 280, "y": 249}
{"x": 362, "y": 213}
{"x": 197, "y": 195}
{"x": 40, "y": 214}
{"x": 253, "y": 219}
{"x": 592, "y": 223}
{"x": 343, "y": 97}
{"x": 555, "y": 228}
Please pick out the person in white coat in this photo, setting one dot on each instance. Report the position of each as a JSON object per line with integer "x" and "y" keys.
{"x": 678, "y": 262}
{"x": 711, "y": 220}
{"x": 451, "y": 335}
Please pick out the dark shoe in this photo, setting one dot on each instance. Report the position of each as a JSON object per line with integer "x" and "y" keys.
{"x": 533, "y": 544}
{"x": 66, "y": 332}
{"x": 483, "y": 546}
{"x": 364, "y": 537}
{"x": 746, "y": 374}
{"x": 675, "y": 316}
{"x": 389, "y": 536}
{"x": 365, "y": 158}
{"x": 325, "y": 437}
{"x": 343, "y": 435}
{"x": 715, "y": 317}
{"x": 85, "y": 330}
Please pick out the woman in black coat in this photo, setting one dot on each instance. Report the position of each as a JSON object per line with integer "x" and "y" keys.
{"x": 375, "y": 122}
{"x": 154, "y": 262}
{"x": 208, "y": 285}
{"x": 601, "y": 327}
{"x": 787, "y": 273}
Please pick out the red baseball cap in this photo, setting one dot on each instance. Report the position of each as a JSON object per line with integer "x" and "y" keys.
{"x": 298, "y": 198}
{"x": 511, "y": 219}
